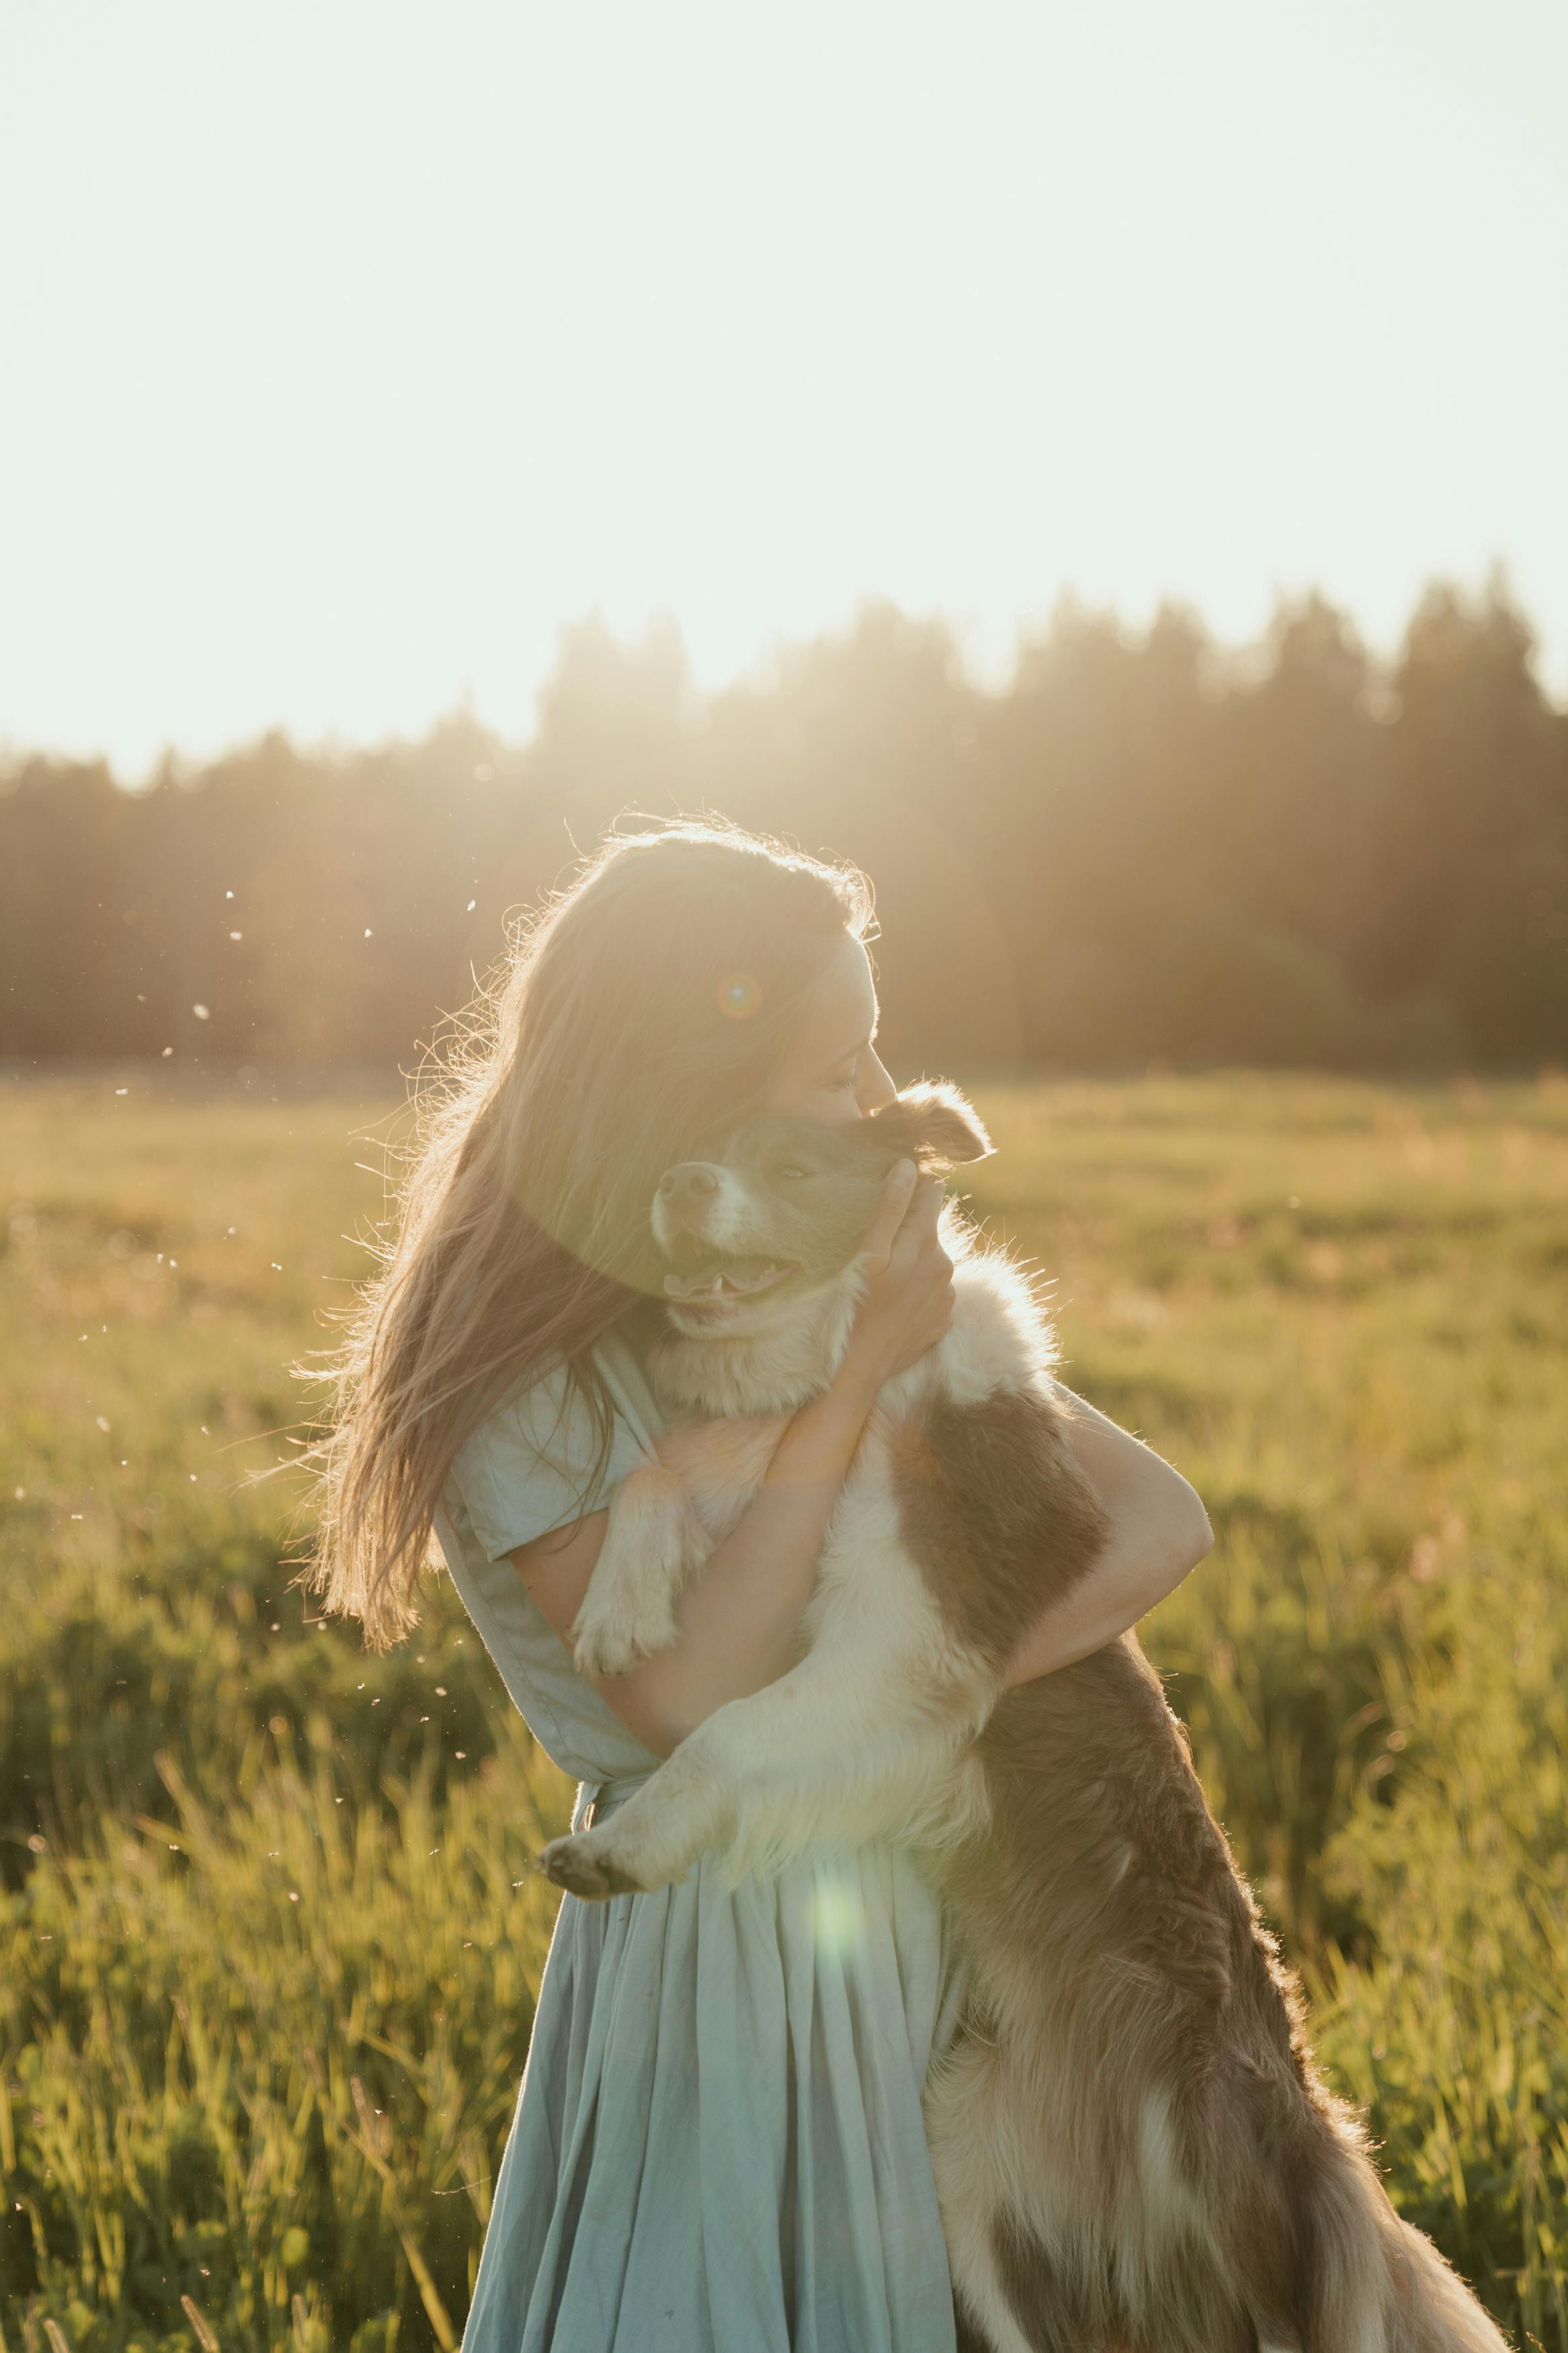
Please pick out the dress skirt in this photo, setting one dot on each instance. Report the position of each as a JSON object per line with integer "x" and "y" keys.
{"x": 718, "y": 2147}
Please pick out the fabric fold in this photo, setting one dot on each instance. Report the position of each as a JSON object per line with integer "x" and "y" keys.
{"x": 721, "y": 2118}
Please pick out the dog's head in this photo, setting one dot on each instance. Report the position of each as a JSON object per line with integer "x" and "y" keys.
{"x": 785, "y": 1203}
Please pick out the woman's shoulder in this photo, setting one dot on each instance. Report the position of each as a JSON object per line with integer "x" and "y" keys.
{"x": 538, "y": 1460}
{"x": 531, "y": 1466}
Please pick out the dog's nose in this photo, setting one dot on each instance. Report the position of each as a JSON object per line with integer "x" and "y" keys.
{"x": 688, "y": 1184}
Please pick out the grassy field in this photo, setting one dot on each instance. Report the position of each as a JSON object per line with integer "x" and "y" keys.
{"x": 269, "y": 1944}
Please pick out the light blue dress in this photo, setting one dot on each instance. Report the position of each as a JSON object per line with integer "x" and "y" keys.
{"x": 718, "y": 2147}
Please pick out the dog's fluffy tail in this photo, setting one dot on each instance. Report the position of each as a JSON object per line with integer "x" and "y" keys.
{"x": 1430, "y": 2308}
{"x": 1374, "y": 2284}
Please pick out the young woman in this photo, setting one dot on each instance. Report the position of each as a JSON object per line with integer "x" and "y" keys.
{"x": 718, "y": 2147}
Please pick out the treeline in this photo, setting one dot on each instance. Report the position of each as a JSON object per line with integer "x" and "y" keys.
{"x": 1145, "y": 848}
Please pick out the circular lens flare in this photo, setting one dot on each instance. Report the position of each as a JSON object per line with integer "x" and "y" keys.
{"x": 838, "y": 1913}
{"x": 739, "y": 996}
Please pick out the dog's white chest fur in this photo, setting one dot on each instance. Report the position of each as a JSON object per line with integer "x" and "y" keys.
{"x": 866, "y": 1736}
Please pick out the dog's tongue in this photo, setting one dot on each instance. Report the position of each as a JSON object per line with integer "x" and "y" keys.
{"x": 720, "y": 1281}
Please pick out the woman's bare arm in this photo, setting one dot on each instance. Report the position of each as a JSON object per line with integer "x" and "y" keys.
{"x": 740, "y": 1621}
{"x": 1159, "y": 1530}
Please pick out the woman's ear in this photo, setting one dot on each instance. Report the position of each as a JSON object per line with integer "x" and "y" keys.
{"x": 933, "y": 1125}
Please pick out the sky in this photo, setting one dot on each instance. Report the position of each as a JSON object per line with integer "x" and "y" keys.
{"x": 350, "y": 348}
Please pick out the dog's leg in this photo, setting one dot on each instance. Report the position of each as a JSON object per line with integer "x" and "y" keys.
{"x": 971, "y": 2190}
{"x": 665, "y": 1519}
{"x": 861, "y": 1740}
{"x": 816, "y": 1755}
{"x": 652, "y": 1542}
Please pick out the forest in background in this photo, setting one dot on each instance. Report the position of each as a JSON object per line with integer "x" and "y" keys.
{"x": 1146, "y": 849}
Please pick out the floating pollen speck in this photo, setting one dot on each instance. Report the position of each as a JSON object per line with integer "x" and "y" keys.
{"x": 201, "y": 1012}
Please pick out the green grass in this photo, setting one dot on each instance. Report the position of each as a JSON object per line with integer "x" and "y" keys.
{"x": 269, "y": 1945}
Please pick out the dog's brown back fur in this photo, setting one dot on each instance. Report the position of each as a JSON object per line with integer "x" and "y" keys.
{"x": 1123, "y": 1992}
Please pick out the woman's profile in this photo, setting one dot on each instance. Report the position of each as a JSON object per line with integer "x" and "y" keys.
{"x": 719, "y": 2142}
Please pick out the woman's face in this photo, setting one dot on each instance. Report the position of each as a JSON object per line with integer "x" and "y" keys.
{"x": 831, "y": 1072}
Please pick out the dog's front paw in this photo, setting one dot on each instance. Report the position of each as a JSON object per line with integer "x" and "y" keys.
{"x": 585, "y": 1866}
{"x": 611, "y": 1641}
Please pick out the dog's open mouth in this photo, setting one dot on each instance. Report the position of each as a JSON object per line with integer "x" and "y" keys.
{"x": 728, "y": 1278}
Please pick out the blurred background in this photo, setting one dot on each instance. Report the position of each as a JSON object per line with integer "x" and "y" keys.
{"x": 1104, "y": 468}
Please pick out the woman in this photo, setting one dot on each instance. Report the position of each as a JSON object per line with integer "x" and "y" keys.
{"x": 718, "y": 2147}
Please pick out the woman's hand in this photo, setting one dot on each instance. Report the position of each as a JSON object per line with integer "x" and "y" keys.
{"x": 906, "y": 1305}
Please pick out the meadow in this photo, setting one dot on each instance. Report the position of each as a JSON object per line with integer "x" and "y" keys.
{"x": 269, "y": 1940}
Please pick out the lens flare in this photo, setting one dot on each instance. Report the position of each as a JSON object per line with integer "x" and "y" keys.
{"x": 838, "y": 1913}
{"x": 739, "y": 996}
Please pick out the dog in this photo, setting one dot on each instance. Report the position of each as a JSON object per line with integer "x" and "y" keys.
{"x": 1133, "y": 2150}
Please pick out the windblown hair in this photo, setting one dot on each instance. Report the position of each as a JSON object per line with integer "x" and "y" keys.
{"x": 640, "y": 1011}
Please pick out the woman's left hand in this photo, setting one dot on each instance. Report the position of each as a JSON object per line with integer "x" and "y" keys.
{"x": 907, "y": 1305}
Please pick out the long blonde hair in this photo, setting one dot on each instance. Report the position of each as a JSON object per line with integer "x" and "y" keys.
{"x": 640, "y": 1009}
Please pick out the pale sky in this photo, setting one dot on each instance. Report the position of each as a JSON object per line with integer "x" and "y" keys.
{"x": 351, "y": 346}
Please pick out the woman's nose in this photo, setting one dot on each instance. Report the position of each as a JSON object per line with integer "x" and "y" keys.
{"x": 689, "y": 1182}
{"x": 875, "y": 1089}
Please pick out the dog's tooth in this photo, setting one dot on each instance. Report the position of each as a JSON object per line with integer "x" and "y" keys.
{"x": 724, "y": 1282}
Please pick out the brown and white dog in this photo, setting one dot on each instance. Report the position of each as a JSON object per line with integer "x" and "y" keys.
{"x": 1133, "y": 2148}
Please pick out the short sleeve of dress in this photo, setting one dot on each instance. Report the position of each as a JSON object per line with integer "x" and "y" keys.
{"x": 525, "y": 1469}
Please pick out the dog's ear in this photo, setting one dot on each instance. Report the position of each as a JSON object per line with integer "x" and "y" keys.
{"x": 933, "y": 1125}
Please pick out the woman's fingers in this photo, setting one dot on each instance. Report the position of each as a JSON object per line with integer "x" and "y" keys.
{"x": 897, "y": 1193}
{"x": 907, "y": 1303}
{"x": 922, "y": 1216}
{"x": 917, "y": 1236}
